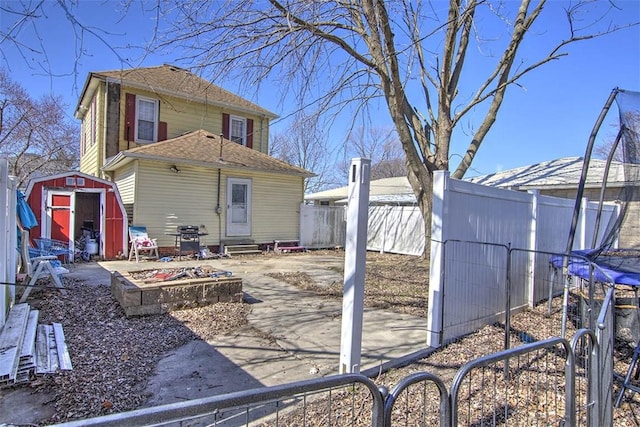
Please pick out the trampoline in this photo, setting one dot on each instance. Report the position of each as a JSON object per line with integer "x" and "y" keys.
{"x": 619, "y": 266}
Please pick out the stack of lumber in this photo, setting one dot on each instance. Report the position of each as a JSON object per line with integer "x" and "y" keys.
{"x": 27, "y": 349}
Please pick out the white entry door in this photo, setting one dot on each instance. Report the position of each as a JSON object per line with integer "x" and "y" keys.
{"x": 238, "y": 207}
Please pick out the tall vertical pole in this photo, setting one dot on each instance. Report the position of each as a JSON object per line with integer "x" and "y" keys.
{"x": 354, "y": 265}
{"x": 576, "y": 209}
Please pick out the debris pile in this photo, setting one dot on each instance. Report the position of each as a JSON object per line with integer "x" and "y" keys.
{"x": 168, "y": 274}
{"x": 27, "y": 348}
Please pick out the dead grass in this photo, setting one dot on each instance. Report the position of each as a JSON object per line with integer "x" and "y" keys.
{"x": 399, "y": 283}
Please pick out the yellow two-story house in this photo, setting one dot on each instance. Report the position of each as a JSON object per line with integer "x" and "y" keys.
{"x": 183, "y": 151}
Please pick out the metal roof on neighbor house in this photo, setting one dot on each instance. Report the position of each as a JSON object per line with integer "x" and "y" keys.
{"x": 175, "y": 81}
{"x": 560, "y": 174}
{"x": 378, "y": 187}
{"x": 201, "y": 148}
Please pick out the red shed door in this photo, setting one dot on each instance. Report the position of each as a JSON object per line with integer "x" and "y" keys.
{"x": 59, "y": 210}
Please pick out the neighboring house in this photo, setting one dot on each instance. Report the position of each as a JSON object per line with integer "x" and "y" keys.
{"x": 395, "y": 223}
{"x": 393, "y": 191}
{"x": 155, "y": 132}
{"x": 560, "y": 178}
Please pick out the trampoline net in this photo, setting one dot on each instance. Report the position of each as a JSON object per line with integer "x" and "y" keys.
{"x": 625, "y": 150}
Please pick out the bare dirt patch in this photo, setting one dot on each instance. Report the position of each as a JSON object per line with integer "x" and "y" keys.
{"x": 398, "y": 283}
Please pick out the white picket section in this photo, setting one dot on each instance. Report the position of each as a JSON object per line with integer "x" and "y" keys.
{"x": 396, "y": 229}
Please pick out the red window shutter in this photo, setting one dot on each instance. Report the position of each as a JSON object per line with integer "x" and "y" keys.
{"x": 249, "y": 133}
{"x": 129, "y": 116}
{"x": 162, "y": 131}
{"x": 225, "y": 125}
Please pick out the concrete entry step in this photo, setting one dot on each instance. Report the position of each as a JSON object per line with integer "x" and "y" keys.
{"x": 242, "y": 249}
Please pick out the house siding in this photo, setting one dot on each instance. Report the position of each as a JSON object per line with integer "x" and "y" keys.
{"x": 184, "y": 116}
{"x": 93, "y": 159}
{"x": 125, "y": 180}
{"x": 275, "y": 202}
{"x": 166, "y": 200}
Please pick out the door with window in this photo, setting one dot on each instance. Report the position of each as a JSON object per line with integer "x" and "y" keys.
{"x": 59, "y": 215}
{"x": 238, "y": 207}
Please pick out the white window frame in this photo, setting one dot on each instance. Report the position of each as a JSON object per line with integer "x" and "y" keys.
{"x": 155, "y": 118}
{"x": 242, "y": 228}
{"x": 243, "y": 137}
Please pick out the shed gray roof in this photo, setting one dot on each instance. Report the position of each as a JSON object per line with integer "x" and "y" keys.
{"x": 561, "y": 173}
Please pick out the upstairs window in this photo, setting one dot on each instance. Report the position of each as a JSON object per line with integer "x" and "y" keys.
{"x": 238, "y": 130}
{"x": 141, "y": 120}
{"x": 146, "y": 119}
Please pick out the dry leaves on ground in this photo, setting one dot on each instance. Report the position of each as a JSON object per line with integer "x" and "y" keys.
{"x": 113, "y": 355}
{"x": 400, "y": 283}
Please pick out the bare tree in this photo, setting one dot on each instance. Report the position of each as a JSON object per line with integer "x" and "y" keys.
{"x": 381, "y": 146}
{"x": 304, "y": 144}
{"x": 410, "y": 54}
{"x": 35, "y": 135}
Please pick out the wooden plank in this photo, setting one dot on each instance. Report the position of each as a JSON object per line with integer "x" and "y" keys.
{"x": 11, "y": 338}
{"x": 54, "y": 361}
{"x": 64, "y": 360}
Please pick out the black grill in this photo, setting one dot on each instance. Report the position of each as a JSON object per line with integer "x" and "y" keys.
{"x": 189, "y": 236}
{"x": 188, "y": 229}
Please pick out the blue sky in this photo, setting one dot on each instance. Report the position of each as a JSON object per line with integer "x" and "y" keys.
{"x": 549, "y": 117}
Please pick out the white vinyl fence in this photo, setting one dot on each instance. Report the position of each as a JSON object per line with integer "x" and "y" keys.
{"x": 322, "y": 226}
{"x": 475, "y": 230}
{"x": 8, "y": 241}
{"x": 396, "y": 229}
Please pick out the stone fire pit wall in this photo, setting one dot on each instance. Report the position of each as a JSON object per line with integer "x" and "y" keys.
{"x": 139, "y": 298}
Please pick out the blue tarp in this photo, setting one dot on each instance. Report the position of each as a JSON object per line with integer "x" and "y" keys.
{"x": 25, "y": 214}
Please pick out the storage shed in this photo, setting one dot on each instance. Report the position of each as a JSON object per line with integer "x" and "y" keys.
{"x": 76, "y": 207}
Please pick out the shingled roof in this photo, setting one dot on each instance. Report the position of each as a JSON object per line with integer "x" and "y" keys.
{"x": 175, "y": 81}
{"x": 559, "y": 173}
{"x": 201, "y": 148}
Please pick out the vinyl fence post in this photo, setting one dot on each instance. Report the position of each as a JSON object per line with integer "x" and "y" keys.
{"x": 436, "y": 263}
{"x": 355, "y": 252}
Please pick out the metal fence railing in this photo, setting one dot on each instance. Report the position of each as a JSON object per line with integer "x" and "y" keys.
{"x": 548, "y": 382}
{"x": 518, "y": 386}
{"x": 336, "y": 400}
{"x": 539, "y": 379}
